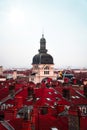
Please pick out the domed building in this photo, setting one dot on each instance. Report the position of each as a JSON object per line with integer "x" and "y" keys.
{"x": 42, "y": 64}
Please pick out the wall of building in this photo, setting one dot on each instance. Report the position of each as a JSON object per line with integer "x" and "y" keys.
{"x": 42, "y": 71}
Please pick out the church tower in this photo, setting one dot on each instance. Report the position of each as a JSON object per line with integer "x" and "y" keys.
{"x": 42, "y": 64}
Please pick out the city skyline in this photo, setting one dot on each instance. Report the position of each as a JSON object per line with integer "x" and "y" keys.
{"x": 64, "y": 24}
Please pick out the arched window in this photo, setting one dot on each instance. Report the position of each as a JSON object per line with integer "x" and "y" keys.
{"x": 46, "y": 68}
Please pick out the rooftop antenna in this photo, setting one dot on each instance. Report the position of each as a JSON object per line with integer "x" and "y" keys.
{"x": 42, "y": 33}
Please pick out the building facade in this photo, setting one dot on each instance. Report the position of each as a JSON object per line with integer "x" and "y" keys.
{"x": 1, "y": 70}
{"x": 42, "y": 64}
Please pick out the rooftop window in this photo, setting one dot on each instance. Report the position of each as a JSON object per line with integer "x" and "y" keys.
{"x": 37, "y": 99}
{"x": 54, "y": 129}
{"x": 50, "y": 93}
{"x": 75, "y": 97}
{"x": 48, "y": 99}
{"x": 56, "y": 92}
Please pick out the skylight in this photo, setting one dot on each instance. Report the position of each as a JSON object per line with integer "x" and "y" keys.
{"x": 48, "y": 99}
{"x": 55, "y": 92}
{"x": 50, "y": 93}
{"x": 75, "y": 97}
{"x": 54, "y": 129}
{"x": 37, "y": 99}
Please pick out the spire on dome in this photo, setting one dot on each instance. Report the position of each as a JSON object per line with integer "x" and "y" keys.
{"x": 42, "y": 45}
{"x": 42, "y": 35}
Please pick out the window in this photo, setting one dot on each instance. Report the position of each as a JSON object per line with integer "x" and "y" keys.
{"x": 48, "y": 99}
{"x": 46, "y": 68}
{"x": 46, "y": 72}
{"x": 37, "y": 98}
{"x": 56, "y": 92}
{"x": 50, "y": 93}
{"x": 54, "y": 128}
{"x": 75, "y": 97}
{"x": 32, "y": 79}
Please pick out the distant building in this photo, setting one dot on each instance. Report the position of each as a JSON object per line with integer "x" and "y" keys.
{"x": 2, "y": 77}
{"x": 1, "y": 70}
{"x": 14, "y": 76}
{"x": 42, "y": 64}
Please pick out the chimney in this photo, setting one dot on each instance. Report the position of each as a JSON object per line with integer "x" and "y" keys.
{"x": 18, "y": 102}
{"x": 12, "y": 89}
{"x": 66, "y": 93}
{"x": 74, "y": 120}
{"x": 85, "y": 90}
{"x": 1, "y": 116}
{"x": 30, "y": 92}
{"x": 44, "y": 110}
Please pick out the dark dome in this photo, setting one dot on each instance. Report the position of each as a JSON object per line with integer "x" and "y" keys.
{"x": 42, "y": 58}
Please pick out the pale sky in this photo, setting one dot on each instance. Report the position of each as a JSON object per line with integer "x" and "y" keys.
{"x": 63, "y": 22}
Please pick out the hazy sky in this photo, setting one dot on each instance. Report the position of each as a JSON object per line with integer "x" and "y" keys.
{"x": 64, "y": 23}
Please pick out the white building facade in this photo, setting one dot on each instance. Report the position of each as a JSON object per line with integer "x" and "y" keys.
{"x": 42, "y": 64}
